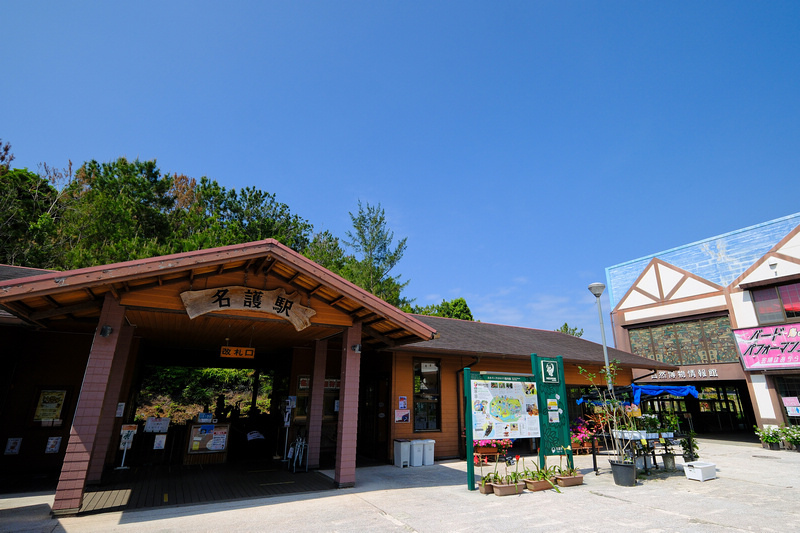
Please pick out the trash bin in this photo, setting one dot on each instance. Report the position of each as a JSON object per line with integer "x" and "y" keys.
{"x": 416, "y": 453}
{"x": 427, "y": 451}
{"x": 402, "y": 452}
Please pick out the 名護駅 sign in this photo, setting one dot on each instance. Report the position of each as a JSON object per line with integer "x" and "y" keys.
{"x": 274, "y": 302}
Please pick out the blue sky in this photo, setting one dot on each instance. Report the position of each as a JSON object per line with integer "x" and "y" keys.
{"x": 522, "y": 147}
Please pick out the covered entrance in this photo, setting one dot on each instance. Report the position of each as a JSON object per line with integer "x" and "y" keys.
{"x": 81, "y": 337}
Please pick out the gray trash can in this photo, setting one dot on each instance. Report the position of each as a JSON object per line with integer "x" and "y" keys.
{"x": 427, "y": 451}
{"x": 416, "y": 452}
{"x": 402, "y": 453}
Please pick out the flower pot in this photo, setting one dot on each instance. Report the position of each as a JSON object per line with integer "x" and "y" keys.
{"x": 501, "y": 489}
{"x": 669, "y": 461}
{"x": 624, "y": 473}
{"x": 536, "y": 485}
{"x": 644, "y": 462}
{"x": 569, "y": 481}
{"x": 485, "y": 450}
{"x": 771, "y": 445}
{"x": 485, "y": 488}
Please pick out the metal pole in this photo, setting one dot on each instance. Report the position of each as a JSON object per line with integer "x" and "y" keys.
{"x": 605, "y": 349}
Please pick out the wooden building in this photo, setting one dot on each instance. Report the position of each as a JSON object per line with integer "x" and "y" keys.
{"x": 73, "y": 343}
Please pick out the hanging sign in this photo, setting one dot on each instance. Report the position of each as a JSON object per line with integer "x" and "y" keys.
{"x": 274, "y": 302}
{"x": 237, "y": 352}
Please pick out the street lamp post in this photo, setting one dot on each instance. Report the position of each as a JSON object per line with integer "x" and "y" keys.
{"x": 597, "y": 289}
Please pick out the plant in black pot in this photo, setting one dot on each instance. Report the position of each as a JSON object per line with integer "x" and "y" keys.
{"x": 689, "y": 447}
{"x": 611, "y": 414}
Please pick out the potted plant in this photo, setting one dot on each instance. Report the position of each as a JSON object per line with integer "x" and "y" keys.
{"x": 581, "y": 436}
{"x": 538, "y": 478}
{"x": 791, "y": 434}
{"x": 510, "y": 483}
{"x": 488, "y": 481}
{"x": 689, "y": 447}
{"x": 614, "y": 419}
{"x": 569, "y": 477}
{"x": 770, "y": 437}
{"x": 668, "y": 456}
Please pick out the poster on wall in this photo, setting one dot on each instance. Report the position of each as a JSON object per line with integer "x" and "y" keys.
{"x": 50, "y": 404}
{"x": 53, "y": 445}
{"x": 504, "y": 407}
{"x": 156, "y": 425}
{"x": 402, "y": 416}
{"x": 13, "y": 445}
{"x": 160, "y": 442}
{"x": 208, "y": 438}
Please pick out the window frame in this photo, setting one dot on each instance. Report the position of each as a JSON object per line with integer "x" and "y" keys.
{"x": 417, "y": 398}
{"x": 764, "y": 320}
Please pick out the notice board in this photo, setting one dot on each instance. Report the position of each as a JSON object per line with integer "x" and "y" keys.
{"x": 208, "y": 438}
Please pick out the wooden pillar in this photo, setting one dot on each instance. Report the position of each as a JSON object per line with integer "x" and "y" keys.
{"x": 85, "y": 425}
{"x": 345, "y": 472}
{"x": 317, "y": 397}
{"x": 108, "y": 431}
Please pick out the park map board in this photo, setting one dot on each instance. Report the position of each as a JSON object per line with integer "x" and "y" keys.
{"x": 504, "y": 407}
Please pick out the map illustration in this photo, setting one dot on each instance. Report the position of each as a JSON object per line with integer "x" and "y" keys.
{"x": 505, "y": 409}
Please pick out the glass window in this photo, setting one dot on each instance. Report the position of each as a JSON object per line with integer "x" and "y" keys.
{"x": 427, "y": 395}
{"x": 689, "y": 342}
{"x": 790, "y": 297}
{"x": 768, "y": 306}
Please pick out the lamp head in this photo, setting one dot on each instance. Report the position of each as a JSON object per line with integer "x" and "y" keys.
{"x": 597, "y": 289}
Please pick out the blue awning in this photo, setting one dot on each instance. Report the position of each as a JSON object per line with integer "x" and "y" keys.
{"x": 657, "y": 390}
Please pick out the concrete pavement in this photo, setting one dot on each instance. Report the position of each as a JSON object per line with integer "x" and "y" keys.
{"x": 755, "y": 490}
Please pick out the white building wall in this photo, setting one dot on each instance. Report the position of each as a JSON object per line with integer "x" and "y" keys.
{"x": 762, "y": 399}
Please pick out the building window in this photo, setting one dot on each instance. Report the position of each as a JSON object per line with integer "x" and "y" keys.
{"x": 777, "y": 304}
{"x": 427, "y": 395}
{"x": 690, "y": 342}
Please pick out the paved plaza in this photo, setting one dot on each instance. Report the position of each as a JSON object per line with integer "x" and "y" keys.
{"x": 755, "y": 490}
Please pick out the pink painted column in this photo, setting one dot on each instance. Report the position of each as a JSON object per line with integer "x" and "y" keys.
{"x": 107, "y": 431}
{"x": 82, "y": 437}
{"x": 315, "y": 409}
{"x": 345, "y": 473}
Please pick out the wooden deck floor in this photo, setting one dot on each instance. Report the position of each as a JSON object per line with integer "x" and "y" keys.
{"x": 164, "y": 486}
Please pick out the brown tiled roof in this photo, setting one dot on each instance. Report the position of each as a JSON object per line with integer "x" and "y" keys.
{"x": 482, "y": 339}
{"x": 14, "y": 272}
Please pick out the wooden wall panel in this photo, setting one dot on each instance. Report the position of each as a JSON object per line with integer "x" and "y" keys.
{"x": 447, "y": 440}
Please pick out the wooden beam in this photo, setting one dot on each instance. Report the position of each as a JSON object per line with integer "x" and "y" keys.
{"x": 19, "y": 310}
{"x": 67, "y": 310}
{"x": 315, "y": 289}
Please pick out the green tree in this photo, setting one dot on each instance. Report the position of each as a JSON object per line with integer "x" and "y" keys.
{"x": 27, "y": 212}
{"x": 210, "y": 215}
{"x": 570, "y": 331}
{"x": 372, "y": 241}
{"x": 116, "y": 211}
{"x": 325, "y": 250}
{"x": 456, "y": 308}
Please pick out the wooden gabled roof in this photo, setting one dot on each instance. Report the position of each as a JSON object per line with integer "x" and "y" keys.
{"x": 479, "y": 339}
{"x": 148, "y": 287}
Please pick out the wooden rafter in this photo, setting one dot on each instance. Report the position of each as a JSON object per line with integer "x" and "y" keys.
{"x": 66, "y": 310}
